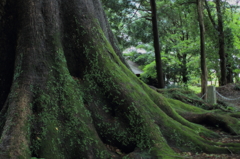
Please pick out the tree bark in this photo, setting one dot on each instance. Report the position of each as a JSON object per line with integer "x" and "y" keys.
{"x": 68, "y": 95}
{"x": 202, "y": 49}
{"x": 230, "y": 60}
{"x": 221, "y": 43}
{"x": 157, "y": 45}
{"x": 184, "y": 69}
{"x": 229, "y": 74}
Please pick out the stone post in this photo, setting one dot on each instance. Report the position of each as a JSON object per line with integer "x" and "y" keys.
{"x": 211, "y": 95}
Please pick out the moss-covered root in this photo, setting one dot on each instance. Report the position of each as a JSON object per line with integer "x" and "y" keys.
{"x": 235, "y": 115}
{"x": 187, "y": 139}
{"x": 177, "y": 130}
{"x": 187, "y": 135}
{"x": 228, "y": 122}
{"x": 124, "y": 127}
{"x": 225, "y": 122}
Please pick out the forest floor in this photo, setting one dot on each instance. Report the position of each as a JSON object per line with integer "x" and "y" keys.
{"x": 225, "y": 138}
{"x": 230, "y": 91}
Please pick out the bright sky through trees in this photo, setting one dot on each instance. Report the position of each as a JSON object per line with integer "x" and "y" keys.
{"x": 233, "y": 2}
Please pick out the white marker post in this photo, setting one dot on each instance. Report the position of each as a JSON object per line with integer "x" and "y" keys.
{"x": 211, "y": 95}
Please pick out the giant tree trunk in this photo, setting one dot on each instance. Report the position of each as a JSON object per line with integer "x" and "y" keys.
{"x": 65, "y": 94}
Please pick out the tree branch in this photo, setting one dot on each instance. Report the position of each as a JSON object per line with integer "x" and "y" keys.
{"x": 210, "y": 16}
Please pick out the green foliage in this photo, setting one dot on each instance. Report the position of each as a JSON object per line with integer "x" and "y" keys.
{"x": 139, "y": 58}
{"x": 179, "y": 36}
{"x": 149, "y": 72}
{"x": 131, "y": 55}
{"x": 124, "y": 22}
{"x": 195, "y": 88}
{"x": 144, "y": 59}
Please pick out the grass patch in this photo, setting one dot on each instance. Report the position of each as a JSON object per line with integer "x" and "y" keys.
{"x": 195, "y": 89}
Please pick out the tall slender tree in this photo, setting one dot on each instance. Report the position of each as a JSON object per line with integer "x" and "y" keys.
{"x": 221, "y": 42}
{"x": 202, "y": 50}
{"x": 157, "y": 45}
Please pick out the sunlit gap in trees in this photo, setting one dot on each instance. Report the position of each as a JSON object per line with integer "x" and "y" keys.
{"x": 231, "y": 2}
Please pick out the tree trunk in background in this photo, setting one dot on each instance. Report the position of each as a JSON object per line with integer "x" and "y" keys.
{"x": 66, "y": 94}
{"x": 184, "y": 69}
{"x": 229, "y": 74}
{"x": 236, "y": 77}
{"x": 229, "y": 45}
{"x": 221, "y": 44}
{"x": 157, "y": 45}
{"x": 202, "y": 49}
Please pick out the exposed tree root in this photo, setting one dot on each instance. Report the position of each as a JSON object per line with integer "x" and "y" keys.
{"x": 224, "y": 122}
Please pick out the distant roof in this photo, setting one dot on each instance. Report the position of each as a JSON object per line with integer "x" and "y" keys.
{"x": 134, "y": 67}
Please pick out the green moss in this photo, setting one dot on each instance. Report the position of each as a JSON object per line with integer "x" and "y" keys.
{"x": 182, "y": 107}
{"x": 63, "y": 118}
{"x": 141, "y": 128}
{"x": 50, "y": 147}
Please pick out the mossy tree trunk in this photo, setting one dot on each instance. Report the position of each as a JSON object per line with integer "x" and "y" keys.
{"x": 65, "y": 92}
